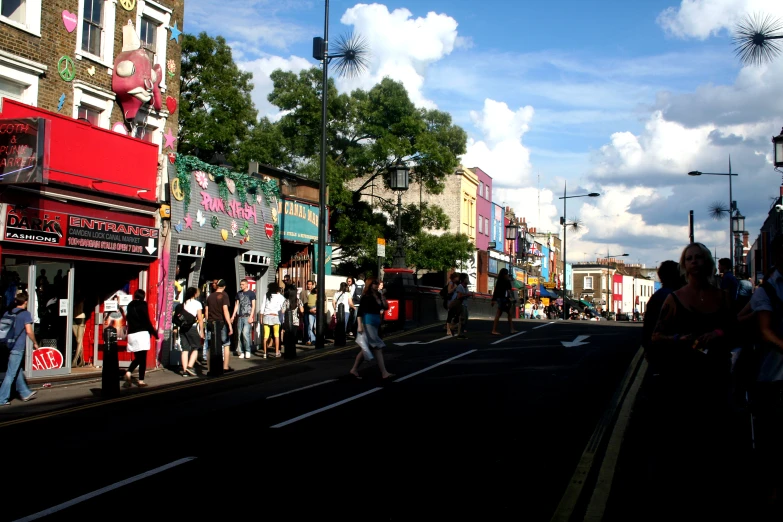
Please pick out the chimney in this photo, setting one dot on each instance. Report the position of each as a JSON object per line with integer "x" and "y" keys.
{"x": 745, "y": 240}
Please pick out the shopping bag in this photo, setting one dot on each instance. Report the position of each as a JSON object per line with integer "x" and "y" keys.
{"x": 361, "y": 340}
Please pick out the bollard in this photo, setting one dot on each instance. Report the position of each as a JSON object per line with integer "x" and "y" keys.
{"x": 110, "y": 382}
{"x": 289, "y": 339}
{"x": 215, "y": 349}
{"x": 339, "y": 330}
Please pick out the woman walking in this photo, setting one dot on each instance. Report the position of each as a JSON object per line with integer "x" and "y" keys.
{"x": 369, "y": 320}
{"x": 270, "y": 309}
{"x": 193, "y": 339}
{"x": 501, "y": 298}
{"x": 139, "y": 331}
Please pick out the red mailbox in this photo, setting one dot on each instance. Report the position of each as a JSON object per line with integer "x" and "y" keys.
{"x": 393, "y": 313}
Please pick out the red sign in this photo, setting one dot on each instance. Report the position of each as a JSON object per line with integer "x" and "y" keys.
{"x": 23, "y": 150}
{"x": 40, "y": 227}
{"x": 269, "y": 228}
{"x": 393, "y": 313}
{"x": 47, "y": 359}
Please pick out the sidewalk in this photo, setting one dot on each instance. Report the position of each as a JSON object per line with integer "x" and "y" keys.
{"x": 74, "y": 393}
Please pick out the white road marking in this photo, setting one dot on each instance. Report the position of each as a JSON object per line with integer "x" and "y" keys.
{"x": 116, "y": 485}
{"x": 433, "y": 366}
{"x": 543, "y": 325}
{"x": 329, "y": 407}
{"x": 509, "y": 337}
{"x": 302, "y": 388}
{"x": 420, "y": 342}
{"x": 576, "y": 342}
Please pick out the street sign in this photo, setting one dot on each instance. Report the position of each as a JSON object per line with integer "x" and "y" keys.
{"x": 381, "y": 247}
{"x": 493, "y": 245}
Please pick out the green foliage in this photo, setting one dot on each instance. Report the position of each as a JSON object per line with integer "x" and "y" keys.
{"x": 439, "y": 253}
{"x": 216, "y": 112}
{"x": 367, "y": 133}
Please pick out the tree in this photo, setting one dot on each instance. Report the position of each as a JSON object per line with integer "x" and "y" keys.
{"x": 439, "y": 253}
{"x": 216, "y": 111}
{"x": 368, "y": 132}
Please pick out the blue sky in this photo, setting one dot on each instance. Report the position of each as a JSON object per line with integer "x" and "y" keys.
{"x": 614, "y": 96}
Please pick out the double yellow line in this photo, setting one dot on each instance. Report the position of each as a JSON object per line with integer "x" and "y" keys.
{"x": 200, "y": 382}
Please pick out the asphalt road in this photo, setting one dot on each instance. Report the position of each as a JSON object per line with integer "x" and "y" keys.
{"x": 490, "y": 427}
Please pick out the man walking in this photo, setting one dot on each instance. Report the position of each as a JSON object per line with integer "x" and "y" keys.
{"x": 220, "y": 320}
{"x": 308, "y": 298}
{"x": 358, "y": 290}
{"x": 245, "y": 309}
{"x": 17, "y": 343}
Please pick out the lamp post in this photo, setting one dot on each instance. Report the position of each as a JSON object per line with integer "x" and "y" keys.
{"x": 738, "y": 228}
{"x": 565, "y": 224}
{"x": 398, "y": 182}
{"x": 731, "y": 201}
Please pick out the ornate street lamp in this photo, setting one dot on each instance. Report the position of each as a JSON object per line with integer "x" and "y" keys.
{"x": 398, "y": 182}
{"x": 777, "y": 155}
{"x": 352, "y": 61}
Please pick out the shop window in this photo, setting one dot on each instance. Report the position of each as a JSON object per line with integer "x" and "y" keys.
{"x": 92, "y": 103}
{"x": 588, "y": 283}
{"x": 95, "y": 31}
{"x": 152, "y": 19}
{"x": 19, "y": 78}
{"x": 22, "y": 14}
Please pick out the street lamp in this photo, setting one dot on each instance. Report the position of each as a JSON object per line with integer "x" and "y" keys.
{"x": 398, "y": 182}
{"x": 565, "y": 224}
{"x": 731, "y": 200}
{"x": 777, "y": 143}
{"x": 754, "y": 38}
{"x": 351, "y": 52}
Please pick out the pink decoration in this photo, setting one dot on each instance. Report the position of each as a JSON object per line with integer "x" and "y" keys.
{"x": 172, "y": 158}
{"x": 201, "y": 179}
{"x": 170, "y": 139}
{"x": 70, "y": 20}
{"x": 171, "y": 104}
{"x": 119, "y": 128}
{"x": 134, "y": 80}
{"x": 189, "y": 222}
{"x": 235, "y": 209}
{"x": 269, "y": 229}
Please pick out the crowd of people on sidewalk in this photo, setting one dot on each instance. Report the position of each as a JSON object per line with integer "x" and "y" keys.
{"x": 715, "y": 349}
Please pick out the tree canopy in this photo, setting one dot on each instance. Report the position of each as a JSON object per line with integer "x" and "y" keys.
{"x": 439, "y": 253}
{"x": 216, "y": 111}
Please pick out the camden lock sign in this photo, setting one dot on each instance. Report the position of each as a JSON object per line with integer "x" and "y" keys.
{"x": 24, "y": 150}
{"x": 43, "y": 227}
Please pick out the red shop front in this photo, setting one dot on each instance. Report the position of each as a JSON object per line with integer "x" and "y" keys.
{"x": 80, "y": 238}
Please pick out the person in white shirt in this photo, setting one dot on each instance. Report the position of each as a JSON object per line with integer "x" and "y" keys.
{"x": 270, "y": 310}
{"x": 343, "y": 297}
{"x": 193, "y": 339}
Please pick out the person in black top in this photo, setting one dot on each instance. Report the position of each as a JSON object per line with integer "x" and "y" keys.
{"x": 503, "y": 300}
{"x": 139, "y": 331}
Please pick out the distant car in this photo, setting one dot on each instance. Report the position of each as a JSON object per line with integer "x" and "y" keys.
{"x": 623, "y": 317}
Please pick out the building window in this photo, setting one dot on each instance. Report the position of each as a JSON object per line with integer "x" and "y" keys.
{"x": 92, "y": 115}
{"x": 144, "y": 133}
{"x": 488, "y": 193}
{"x": 588, "y": 283}
{"x": 95, "y": 31}
{"x": 481, "y": 189}
{"x": 149, "y": 127}
{"x": 22, "y": 14}
{"x": 480, "y": 222}
{"x": 152, "y": 19}
{"x": 92, "y": 103}
{"x": 19, "y": 78}
{"x": 147, "y": 35}
{"x": 486, "y": 226}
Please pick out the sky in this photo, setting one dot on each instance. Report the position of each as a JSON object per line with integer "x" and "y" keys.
{"x": 616, "y": 97}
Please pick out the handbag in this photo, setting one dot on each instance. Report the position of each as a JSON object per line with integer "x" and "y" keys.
{"x": 361, "y": 340}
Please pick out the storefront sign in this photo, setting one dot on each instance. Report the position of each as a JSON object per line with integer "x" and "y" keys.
{"x": 43, "y": 227}
{"x": 548, "y": 285}
{"x": 299, "y": 221}
{"x": 23, "y": 150}
{"x": 63, "y": 308}
{"x": 493, "y": 266}
{"x": 235, "y": 209}
{"x": 110, "y": 305}
{"x": 519, "y": 275}
{"x": 47, "y": 359}
{"x": 532, "y": 280}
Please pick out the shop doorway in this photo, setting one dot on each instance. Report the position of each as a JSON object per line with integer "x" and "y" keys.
{"x": 50, "y": 310}
{"x": 220, "y": 262}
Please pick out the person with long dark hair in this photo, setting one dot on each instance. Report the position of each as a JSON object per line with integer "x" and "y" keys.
{"x": 369, "y": 320}
{"x": 270, "y": 310}
{"x": 193, "y": 339}
{"x": 671, "y": 280}
{"x": 500, "y": 296}
{"x": 139, "y": 331}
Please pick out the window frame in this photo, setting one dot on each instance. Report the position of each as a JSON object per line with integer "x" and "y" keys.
{"x": 23, "y": 71}
{"x": 106, "y": 58}
{"x": 585, "y": 286}
{"x": 32, "y": 17}
{"x": 157, "y": 124}
{"x": 95, "y": 98}
{"x": 162, "y": 15}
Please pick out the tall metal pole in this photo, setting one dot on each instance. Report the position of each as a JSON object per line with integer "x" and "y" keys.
{"x": 565, "y": 275}
{"x": 321, "y": 301}
{"x": 731, "y": 215}
{"x": 399, "y": 252}
{"x": 690, "y": 226}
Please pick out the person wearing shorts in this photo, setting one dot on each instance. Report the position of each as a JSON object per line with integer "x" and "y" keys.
{"x": 270, "y": 311}
{"x": 217, "y": 313}
{"x": 193, "y": 339}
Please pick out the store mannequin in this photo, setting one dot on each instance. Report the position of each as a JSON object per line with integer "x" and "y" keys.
{"x": 79, "y": 321}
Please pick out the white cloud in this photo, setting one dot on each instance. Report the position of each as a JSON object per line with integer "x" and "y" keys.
{"x": 500, "y": 153}
{"x": 401, "y": 47}
{"x": 262, "y": 83}
{"x": 704, "y": 18}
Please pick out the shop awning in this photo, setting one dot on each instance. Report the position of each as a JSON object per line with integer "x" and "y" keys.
{"x": 543, "y": 292}
{"x": 517, "y": 284}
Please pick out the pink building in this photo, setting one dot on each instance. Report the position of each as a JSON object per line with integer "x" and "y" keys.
{"x": 617, "y": 293}
{"x": 483, "y": 210}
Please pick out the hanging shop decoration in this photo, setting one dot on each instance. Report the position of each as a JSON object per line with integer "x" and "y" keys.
{"x": 128, "y": 5}
{"x": 246, "y": 189}
{"x": 66, "y": 68}
{"x": 171, "y": 68}
{"x": 135, "y": 81}
{"x": 69, "y": 20}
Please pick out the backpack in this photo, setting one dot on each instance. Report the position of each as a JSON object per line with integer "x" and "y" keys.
{"x": 357, "y": 293}
{"x": 183, "y": 319}
{"x": 8, "y": 335}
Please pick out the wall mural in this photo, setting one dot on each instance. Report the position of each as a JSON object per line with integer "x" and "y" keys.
{"x": 135, "y": 81}
{"x": 239, "y": 201}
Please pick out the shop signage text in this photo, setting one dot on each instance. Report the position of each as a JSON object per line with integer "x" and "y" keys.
{"x": 235, "y": 209}
{"x": 56, "y": 229}
{"x": 47, "y": 359}
{"x": 23, "y": 150}
{"x": 299, "y": 221}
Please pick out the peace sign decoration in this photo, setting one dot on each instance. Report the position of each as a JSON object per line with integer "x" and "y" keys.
{"x": 128, "y": 4}
{"x": 66, "y": 68}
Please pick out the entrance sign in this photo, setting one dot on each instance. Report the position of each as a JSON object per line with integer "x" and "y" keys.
{"x": 24, "y": 151}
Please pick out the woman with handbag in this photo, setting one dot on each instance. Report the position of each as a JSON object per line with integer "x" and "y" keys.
{"x": 270, "y": 309}
{"x": 369, "y": 320}
{"x": 139, "y": 331}
{"x": 342, "y": 315}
